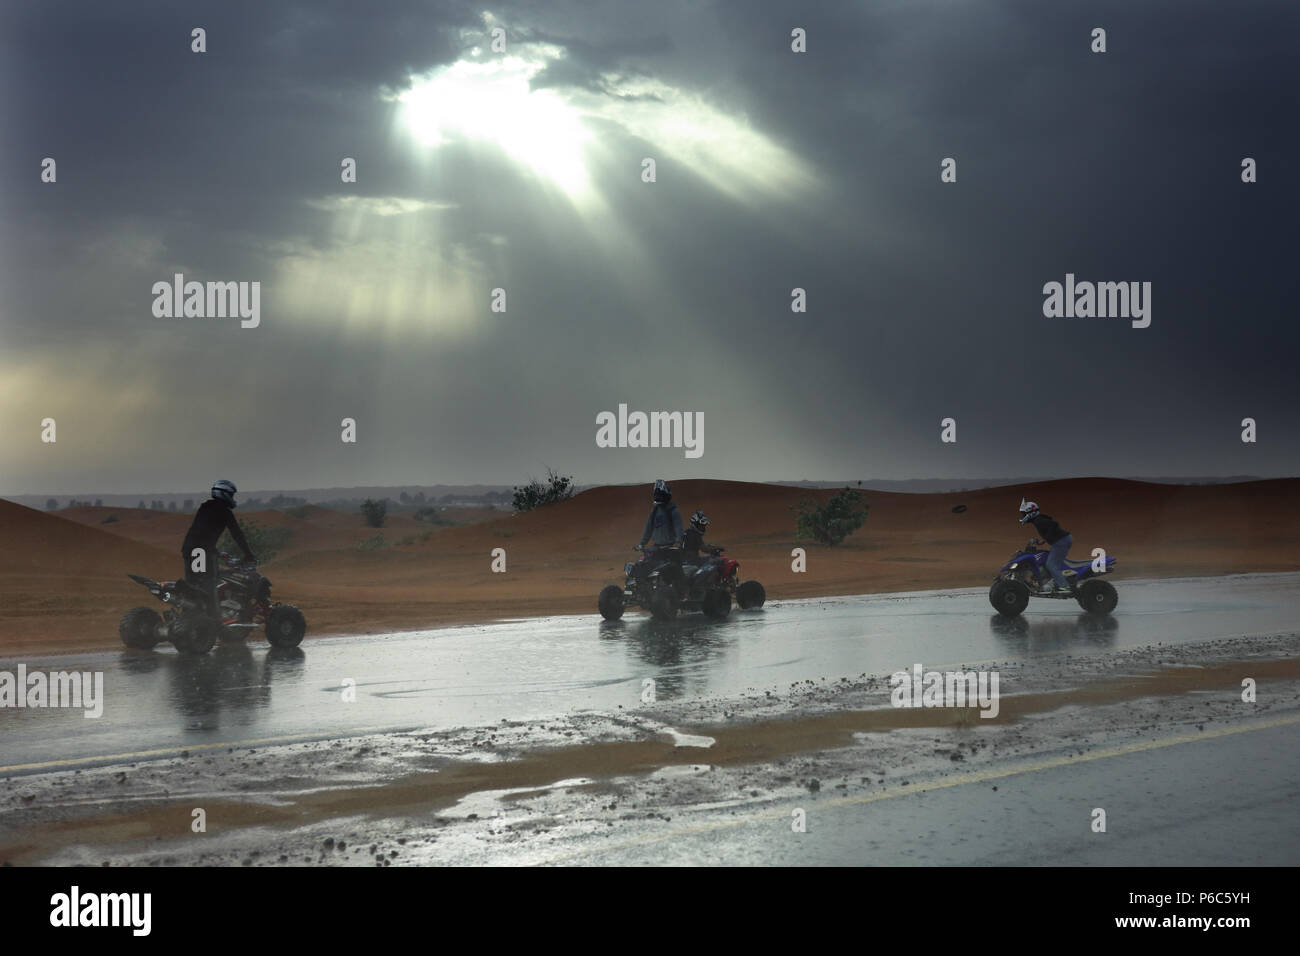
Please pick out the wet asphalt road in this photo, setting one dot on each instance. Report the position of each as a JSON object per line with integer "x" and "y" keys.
{"x": 159, "y": 703}
{"x": 1225, "y": 800}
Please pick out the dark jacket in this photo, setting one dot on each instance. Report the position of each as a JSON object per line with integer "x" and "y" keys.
{"x": 1048, "y": 529}
{"x": 693, "y": 542}
{"x": 213, "y": 517}
{"x": 664, "y": 525}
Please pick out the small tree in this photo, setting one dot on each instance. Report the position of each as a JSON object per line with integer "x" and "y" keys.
{"x": 99, "y": 502}
{"x": 374, "y": 512}
{"x": 140, "y": 504}
{"x": 52, "y": 504}
{"x": 831, "y": 523}
{"x": 537, "y": 493}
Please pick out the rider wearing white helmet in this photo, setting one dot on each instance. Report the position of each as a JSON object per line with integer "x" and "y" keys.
{"x": 1056, "y": 537}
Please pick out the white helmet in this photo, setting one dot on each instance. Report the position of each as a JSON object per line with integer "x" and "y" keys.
{"x": 1028, "y": 510}
{"x": 224, "y": 490}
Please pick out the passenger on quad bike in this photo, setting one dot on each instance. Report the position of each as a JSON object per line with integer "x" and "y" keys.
{"x": 1054, "y": 536}
{"x": 213, "y": 517}
{"x": 694, "y": 550}
{"x": 664, "y": 526}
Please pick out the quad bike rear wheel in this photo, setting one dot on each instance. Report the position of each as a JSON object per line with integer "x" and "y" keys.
{"x": 1009, "y": 597}
{"x": 610, "y": 602}
{"x": 716, "y": 604}
{"x": 1097, "y": 596}
{"x": 285, "y": 626}
{"x": 194, "y": 633}
{"x": 141, "y": 628}
{"x": 751, "y": 594}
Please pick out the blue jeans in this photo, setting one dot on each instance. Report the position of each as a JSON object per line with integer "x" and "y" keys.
{"x": 1056, "y": 559}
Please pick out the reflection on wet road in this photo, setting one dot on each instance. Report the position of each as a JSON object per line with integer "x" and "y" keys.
{"x": 531, "y": 669}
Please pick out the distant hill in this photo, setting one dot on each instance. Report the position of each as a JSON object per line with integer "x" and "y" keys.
{"x": 501, "y": 494}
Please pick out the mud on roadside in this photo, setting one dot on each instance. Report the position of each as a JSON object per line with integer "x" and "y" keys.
{"x": 541, "y": 791}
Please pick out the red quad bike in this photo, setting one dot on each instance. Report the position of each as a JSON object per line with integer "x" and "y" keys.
{"x": 664, "y": 584}
{"x": 244, "y": 600}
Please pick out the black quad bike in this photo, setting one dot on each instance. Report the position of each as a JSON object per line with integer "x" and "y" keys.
{"x": 665, "y": 581}
{"x": 1025, "y": 575}
{"x": 244, "y": 603}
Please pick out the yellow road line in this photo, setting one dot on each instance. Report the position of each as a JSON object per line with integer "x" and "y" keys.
{"x": 944, "y": 784}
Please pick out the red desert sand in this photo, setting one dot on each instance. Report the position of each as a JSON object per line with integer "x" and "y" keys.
{"x": 63, "y": 583}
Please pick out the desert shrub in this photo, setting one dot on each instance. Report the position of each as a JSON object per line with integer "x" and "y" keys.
{"x": 831, "y": 523}
{"x": 374, "y": 512}
{"x": 536, "y": 493}
{"x": 373, "y": 544}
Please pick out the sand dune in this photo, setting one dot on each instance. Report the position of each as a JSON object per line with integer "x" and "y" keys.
{"x": 63, "y": 583}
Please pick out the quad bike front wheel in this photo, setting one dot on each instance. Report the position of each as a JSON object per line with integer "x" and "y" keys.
{"x": 141, "y": 627}
{"x": 1097, "y": 596}
{"x": 610, "y": 602}
{"x": 751, "y": 594}
{"x": 194, "y": 633}
{"x": 1009, "y": 597}
{"x": 716, "y": 604}
{"x": 285, "y": 626}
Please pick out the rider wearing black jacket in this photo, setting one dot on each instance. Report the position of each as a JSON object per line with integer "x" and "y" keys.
{"x": 1047, "y": 528}
{"x": 1056, "y": 537}
{"x": 693, "y": 547}
{"x": 213, "y": 517}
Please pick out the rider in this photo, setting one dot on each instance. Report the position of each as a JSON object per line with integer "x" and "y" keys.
{"x": 213, "y": 517}
{"x": 664, "y": 524}
{"x": 693, "y": 541}
{"x": 1056, "y": 537}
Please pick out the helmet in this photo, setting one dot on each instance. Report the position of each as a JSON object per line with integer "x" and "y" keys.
{"x": 662, "y": 494}
{"x": 1028, "y": 510}
{"x": 224, "y": 491}
{"x": 699, "y": 521}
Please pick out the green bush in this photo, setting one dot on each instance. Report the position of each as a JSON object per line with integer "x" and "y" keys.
{"x": 834, "y": 521}
{"x": 265, "y": 541}
{"x": 373, "y": 544}
{"x": 536, "y": 493}
{"x": 297, "y": 511}
{"x": 374, "y": 512}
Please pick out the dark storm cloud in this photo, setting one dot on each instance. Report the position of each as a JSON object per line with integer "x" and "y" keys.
{"x": 925, "y": 299}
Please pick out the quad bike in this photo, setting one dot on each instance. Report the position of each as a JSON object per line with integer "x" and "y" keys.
{"x": 243, "y": 600}
{"x": 1026, "y": 576}
{"x": 664, "y": 582}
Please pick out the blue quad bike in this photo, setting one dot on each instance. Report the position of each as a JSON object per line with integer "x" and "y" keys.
{"x": 1026, "y": 576}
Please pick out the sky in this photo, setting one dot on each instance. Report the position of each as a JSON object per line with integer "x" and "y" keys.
{"x": 521, "y": 169}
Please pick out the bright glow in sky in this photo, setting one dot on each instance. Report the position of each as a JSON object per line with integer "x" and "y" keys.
{"x": 491, "y": 100}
